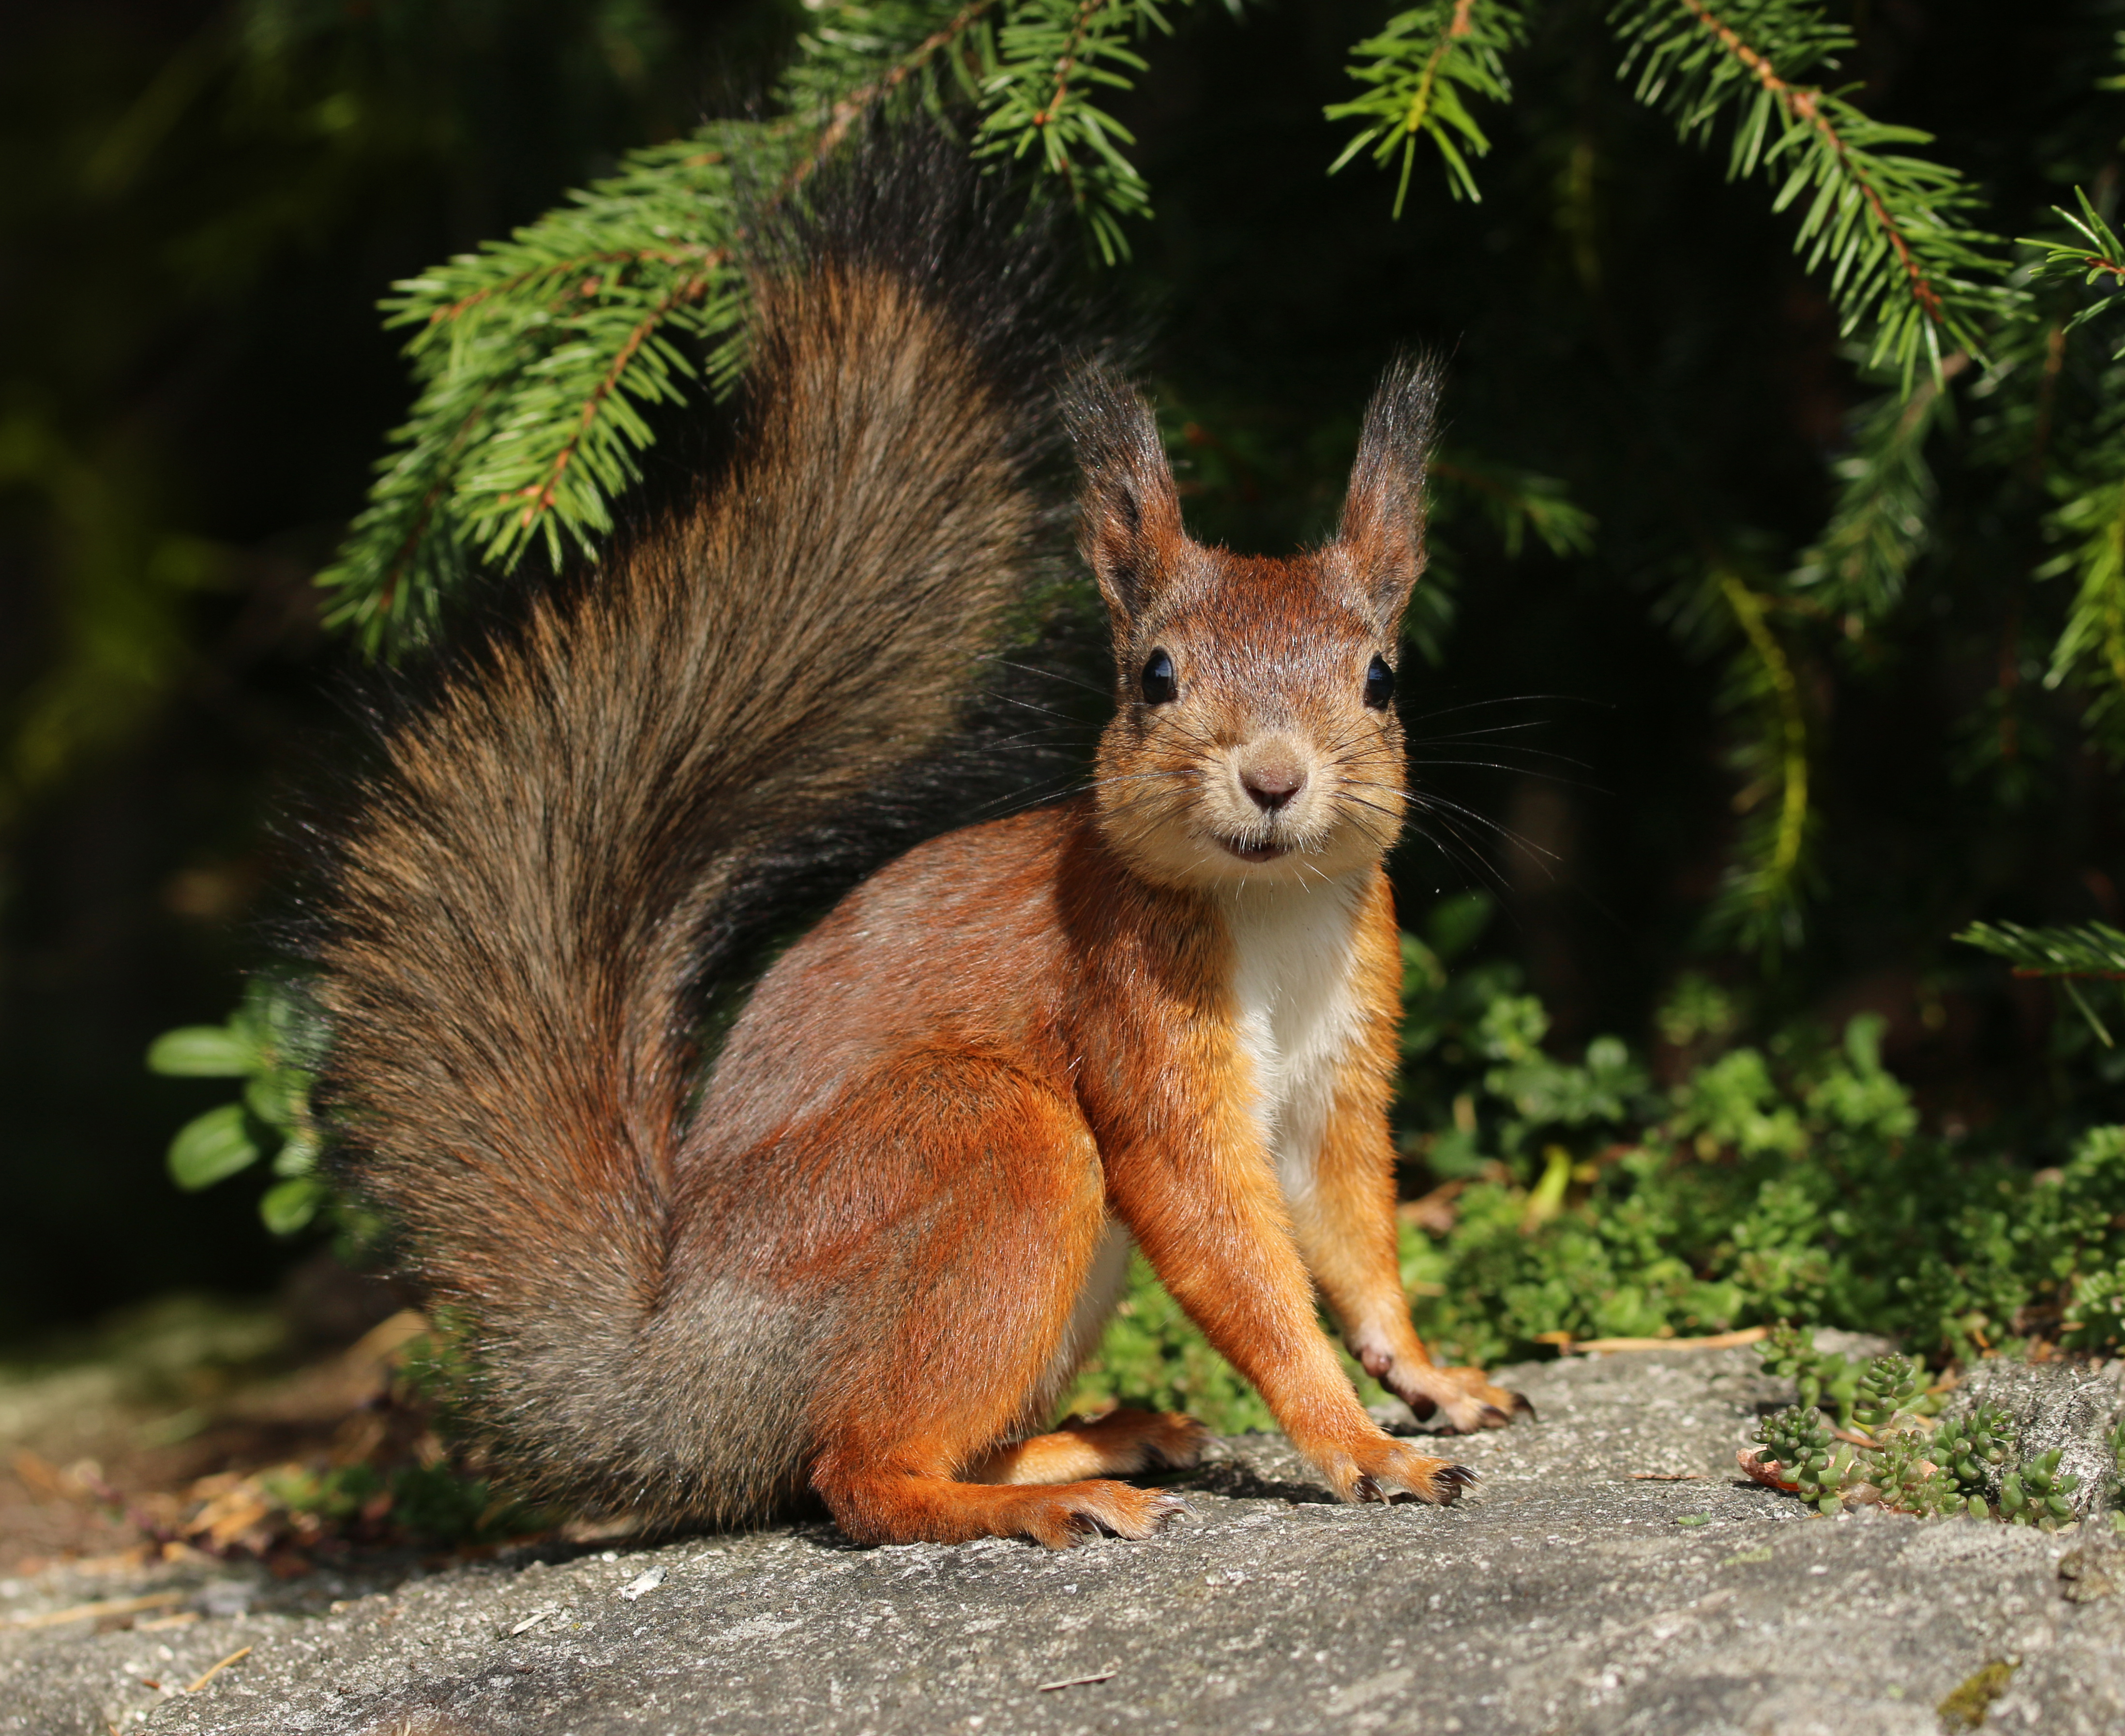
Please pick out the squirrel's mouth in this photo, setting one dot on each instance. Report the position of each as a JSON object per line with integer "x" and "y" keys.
{"x": 1254, "y": 852}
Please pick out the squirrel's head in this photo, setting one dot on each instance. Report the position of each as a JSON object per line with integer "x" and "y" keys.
{"x": 1255, "y": 736}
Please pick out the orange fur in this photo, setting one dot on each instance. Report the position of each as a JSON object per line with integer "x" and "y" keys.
{"x": 1116, "y": 1444}
{"x": 868, "y": 1257}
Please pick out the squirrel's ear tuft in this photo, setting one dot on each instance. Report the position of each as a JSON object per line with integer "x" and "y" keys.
{"x": 1128, "y": 527}
{"x": 1381, "y": 534}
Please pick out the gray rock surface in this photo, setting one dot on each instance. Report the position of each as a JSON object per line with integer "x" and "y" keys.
{"x": 1613, "y": 1574}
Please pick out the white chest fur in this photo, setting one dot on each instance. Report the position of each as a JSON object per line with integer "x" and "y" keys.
{"x": 1294, "y": 951}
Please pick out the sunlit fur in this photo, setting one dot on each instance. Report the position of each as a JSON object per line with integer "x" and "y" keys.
{"x": 862, "y": 1257}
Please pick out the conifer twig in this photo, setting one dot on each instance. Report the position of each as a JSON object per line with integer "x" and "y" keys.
{"x": 1419, "y": 71}
{"x": 2068, "y": 954}
{"x": 1806, "y": 106}
{"x": 851, "y": 108}
{"x": 1902, "y": 265}
{"x": 538, "y": 357}
{"x": 1884, "y": 512}
{"x": 2091, "y": 253}
{"x": 687, "y": 289}
{"x": 1749, "y": 609}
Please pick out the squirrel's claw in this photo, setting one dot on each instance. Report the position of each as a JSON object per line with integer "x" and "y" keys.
{"x": 1390, "y": 1470}
{"x": 1062, "y": 1518}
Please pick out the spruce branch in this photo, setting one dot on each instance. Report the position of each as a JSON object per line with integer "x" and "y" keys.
{"x": 1887, "y": 224}
{"x": 606, "y": 433}
{"x": 539, "y": 359}
{"x": 1519, "y": 503}
{"x": 2092, "y": 254}
{"x": 535, "y": 358}
{"x": 1419, "y": 73}
{"x": 2067, "y": 955}
{"x": 835, "y": 78}
{"x": 2089, "y": 519}
{"x": 1047, "y": 57}
{"x": 1516, "y": 504}
{"x": 1883, "y": 516}
{"x": 1759, "y": 904}
{"x": 2093, "y": 950}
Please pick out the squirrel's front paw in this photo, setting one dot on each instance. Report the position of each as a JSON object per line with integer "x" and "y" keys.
{"x": 1386, "y": 1468}
{"x": 1466, "y": 1396}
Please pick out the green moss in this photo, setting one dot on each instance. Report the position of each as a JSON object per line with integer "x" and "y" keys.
{"x": 1968, "y": 1705}
{"x": 1788, "y": 1180}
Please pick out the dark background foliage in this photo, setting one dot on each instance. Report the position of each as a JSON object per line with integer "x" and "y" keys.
{"x": 200, "y": 214}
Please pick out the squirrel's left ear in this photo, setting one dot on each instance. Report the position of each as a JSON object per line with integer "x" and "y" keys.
{"x": 1382, "y": 535}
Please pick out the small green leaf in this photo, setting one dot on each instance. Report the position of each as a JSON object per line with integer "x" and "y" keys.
{"x": 202, "y": 1051}
{"x": 290, "y": 1205}
{"x": 298, "y": 1155}
{"x": 278, "y": 1096}
{"x": 211, "y": 1147}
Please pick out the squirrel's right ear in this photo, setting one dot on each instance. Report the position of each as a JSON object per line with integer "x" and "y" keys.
{"x": 1128, "y": 527}
{"x": 1381, "y": 534}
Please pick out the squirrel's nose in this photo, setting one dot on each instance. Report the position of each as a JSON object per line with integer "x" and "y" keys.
{"x": 1273, "y": 783}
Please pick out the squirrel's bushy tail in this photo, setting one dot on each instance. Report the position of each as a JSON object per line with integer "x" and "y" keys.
{"x": 517, "y": 913}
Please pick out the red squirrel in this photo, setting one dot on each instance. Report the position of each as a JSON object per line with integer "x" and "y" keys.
{"x": 865, "y": 1254}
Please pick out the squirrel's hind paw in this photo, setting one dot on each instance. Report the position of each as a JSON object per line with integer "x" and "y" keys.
{"x": 1064, "y": 1516}
{"x": 1464, "y": 1395}
{"x": 1159, "y": 1440}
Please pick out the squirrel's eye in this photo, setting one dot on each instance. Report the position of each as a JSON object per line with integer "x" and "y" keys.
{"x": 1379, "y": 684}
{"x": 1159, "y": 685}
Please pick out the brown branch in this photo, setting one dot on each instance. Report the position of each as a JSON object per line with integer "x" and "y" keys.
{"x": 562, "y": 267}
{"x": 1468, "y": 479}
{"x": 2087, "y": 976}
{"x": 843, "y": 115}
{"x": 2047, "y": 399}
{"x": 2010, "y": 677}
{"x": 1803, "y": 103}
{"x": 1922, "y": 401}
{"x": 686, "y": 289}
{"x": 1041, "y": 117}
{"x": 1420, "y": 104}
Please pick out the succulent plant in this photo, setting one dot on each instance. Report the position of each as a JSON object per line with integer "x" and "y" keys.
{"x": 1823, "y": 1377}
{"x": 1888, "y": 1389}
{"x": 1972, "y": 1449}
{"x": 2038, "y": 1493}
{"x": 1808, "y": 1455}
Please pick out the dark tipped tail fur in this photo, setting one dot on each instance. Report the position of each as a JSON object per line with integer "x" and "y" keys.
{"x": 518, "y": 910}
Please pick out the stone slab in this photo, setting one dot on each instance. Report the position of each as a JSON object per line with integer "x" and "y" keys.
{"x": 1613, "y": 1575}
